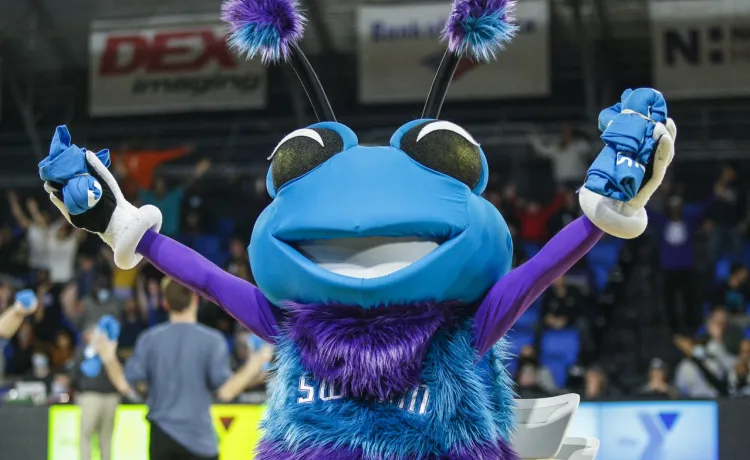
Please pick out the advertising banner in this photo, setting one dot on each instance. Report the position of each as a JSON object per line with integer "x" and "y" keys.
{"x": 399, "y": 50}
{"x": 166, "y": 65}
{"x": 236, "y": 427}
{"x": 701, "y": 47}
{"x": 626, "y": 430}
{"x": 650, "y": 430}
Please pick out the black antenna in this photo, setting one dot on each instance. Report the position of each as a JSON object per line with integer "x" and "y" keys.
{"x": 440, "y": 85}
{"x": 310, "y": 82}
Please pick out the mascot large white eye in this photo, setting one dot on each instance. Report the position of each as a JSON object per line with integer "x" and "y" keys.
{"x": 302, "y": 151}
{"x": 447, "y": 148}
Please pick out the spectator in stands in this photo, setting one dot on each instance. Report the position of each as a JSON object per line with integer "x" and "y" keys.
{"x": 36, "y": 225}
{"x": 46, "y": 320}
{"x": 238, "y": 258}
{"x": 170, "y": 201}
{"x": 739, "y": 377}
{"x": 86, "y": 275}
{"x": 657, "y": 386}
{"x": 23, "y": 345}
{"x": 565, "y": 306}
{"x": 561, "y": 305}
{"x": 676, "y": 232}
{"x": 13, "y": 259}
{"x": 533, "y": 379}
{"x": 40, "y": 370}
{"x": 101, "y": 302}
{"x": 61, "y": 251}
{"x": 62, "y": 352}
{"x": 246, "y": 344}
{"x": 97, "y": 399}
{"x": 6, "y": 296}
{"x": 720, "y": 327}
{"x": 733, "y": 293}
{"x": 727, "y": 212}
{"x": 567, "y": 213}
{"x": 132, "y": 323}
{"x": 533, "y": 218}
{"x": 569, "y": 156}
{"x": 596, "y": 384}
{"x": 150, "y": 300}
{"x": 704, "y": 372}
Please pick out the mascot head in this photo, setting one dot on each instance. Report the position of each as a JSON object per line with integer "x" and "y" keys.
{"x": 363, "y": 226}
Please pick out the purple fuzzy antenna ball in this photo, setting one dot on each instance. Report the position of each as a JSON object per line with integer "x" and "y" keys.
{"x": 480, "y": 28}
{"x": 269, "y": 28}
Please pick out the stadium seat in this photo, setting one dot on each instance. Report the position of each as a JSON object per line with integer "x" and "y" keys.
{"x": 602, "y": 259}
{"x": 530, "y": 249}
{"x": 209, "y": 246}
{"x": 723, "y": 266}
{"x": 517, "y": 339}
{"x": 530, "y": 318}
{"x": 559, "y": 351}
{"x": 225, "y": 227}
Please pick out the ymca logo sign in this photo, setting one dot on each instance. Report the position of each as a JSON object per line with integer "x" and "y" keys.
{"x": 658, "y": 426}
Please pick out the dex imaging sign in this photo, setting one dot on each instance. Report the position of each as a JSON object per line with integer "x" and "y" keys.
{"x": 399, "y": 50}
{"x": 163, "y": 65}
{"x": 701, "y": 48}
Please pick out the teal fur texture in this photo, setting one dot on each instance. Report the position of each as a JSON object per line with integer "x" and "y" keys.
{"x": 469, "y": 403}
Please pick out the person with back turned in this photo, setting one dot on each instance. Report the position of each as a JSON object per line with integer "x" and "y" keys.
{"x": 183, "y": 365}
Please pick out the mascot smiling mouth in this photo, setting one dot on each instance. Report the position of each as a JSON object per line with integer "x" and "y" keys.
{"x": 366, "y": 257}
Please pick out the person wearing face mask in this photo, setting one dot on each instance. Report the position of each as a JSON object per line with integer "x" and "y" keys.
{"x": 100, "y": 302}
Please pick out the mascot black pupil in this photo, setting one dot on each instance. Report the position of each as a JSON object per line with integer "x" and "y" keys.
{"x": 384, "y": 278}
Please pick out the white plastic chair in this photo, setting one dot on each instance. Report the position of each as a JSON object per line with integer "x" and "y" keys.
{"x": 541, "y": 425}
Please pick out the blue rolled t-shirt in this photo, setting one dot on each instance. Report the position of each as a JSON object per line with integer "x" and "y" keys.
{"x": 66, "y": 164}
{"x": 628, "y": 129}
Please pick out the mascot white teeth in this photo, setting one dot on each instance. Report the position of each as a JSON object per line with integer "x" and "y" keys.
{"x": 384, "y": 278}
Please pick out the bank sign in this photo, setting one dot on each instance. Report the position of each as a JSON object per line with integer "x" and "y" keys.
{"x": 399, "y": 50}
{"x": 701, "y": 48}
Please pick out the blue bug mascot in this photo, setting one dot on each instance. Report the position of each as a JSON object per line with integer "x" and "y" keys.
{"x": 384, "y": 278}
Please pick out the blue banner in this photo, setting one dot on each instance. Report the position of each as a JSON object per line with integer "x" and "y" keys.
{"x": 685, "y": 430}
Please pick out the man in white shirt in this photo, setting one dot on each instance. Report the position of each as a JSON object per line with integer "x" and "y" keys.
{"x": 569, "y": 156}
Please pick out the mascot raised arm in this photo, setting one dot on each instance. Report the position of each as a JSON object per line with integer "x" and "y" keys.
{"x": 384, "y": 278}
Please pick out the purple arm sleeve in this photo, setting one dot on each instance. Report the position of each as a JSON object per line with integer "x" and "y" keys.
{"x": 511, "y": 296}
{"x": 243, "y": 301}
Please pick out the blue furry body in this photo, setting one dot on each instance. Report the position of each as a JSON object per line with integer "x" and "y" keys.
{"x": 468, "y": 404}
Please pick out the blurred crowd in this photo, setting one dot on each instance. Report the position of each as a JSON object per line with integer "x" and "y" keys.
{"x": 698, "y": 242}
{"x": 701, "y": 262}
{"x": 77, "y": 283}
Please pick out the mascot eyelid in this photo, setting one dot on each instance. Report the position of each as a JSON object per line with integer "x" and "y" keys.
{"x": 305, "y": 132}
{"x": 447, "y": 126}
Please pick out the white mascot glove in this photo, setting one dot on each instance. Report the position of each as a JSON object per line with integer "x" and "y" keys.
{"x": 88, "y": 196}
{"x": 612, "y": 204}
